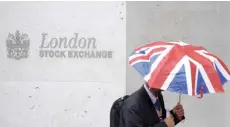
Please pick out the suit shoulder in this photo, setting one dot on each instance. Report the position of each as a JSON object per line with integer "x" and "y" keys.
{"x": 133, "y": 100}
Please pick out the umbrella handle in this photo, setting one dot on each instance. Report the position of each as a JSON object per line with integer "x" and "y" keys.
{"x": 179, "y": 102}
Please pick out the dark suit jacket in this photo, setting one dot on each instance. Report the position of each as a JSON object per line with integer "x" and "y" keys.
{"x": 138, "y": 111}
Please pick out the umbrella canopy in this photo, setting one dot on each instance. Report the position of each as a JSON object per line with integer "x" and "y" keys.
{"x": 180, "y": 67}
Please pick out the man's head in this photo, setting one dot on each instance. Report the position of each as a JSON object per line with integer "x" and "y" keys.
{"x": 154, "y": 90}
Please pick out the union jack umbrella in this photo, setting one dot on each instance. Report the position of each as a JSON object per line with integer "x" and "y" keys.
{"x": 180, "y": 67}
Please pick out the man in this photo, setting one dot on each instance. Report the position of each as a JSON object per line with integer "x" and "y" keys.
{"x": 145, "y": 108}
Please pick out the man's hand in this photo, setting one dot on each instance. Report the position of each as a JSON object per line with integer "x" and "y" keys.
{"x": 170, "y": 121}
{"x": 179, "y": 111}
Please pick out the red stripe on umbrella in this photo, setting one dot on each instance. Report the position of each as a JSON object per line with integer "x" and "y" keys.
{"x": 209, "y": 68}
{"x": 165, "y": 66}
{"x": 221, "y": 62}
{"x": 193, "y": 76}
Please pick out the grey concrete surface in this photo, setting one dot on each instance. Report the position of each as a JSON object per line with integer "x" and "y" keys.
{"x": 61, "y": 92}
{"x": 200, "y": 23}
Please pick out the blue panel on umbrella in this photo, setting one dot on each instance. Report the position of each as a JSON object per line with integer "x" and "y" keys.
{"x": 200, "y": 83}
{"x": 142, "y": 52}
{"x": 222, "y": 78}
{"x": 144, "y": 67}
{"x": 179, "y": 83}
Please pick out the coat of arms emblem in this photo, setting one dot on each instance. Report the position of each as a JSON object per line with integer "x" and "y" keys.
{"x": 17, "y": 45}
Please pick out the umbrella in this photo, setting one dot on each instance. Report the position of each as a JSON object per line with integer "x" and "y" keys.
{"x": 180, "y": 67}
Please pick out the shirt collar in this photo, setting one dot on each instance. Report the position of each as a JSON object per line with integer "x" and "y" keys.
{"x": 153, "y": 98}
